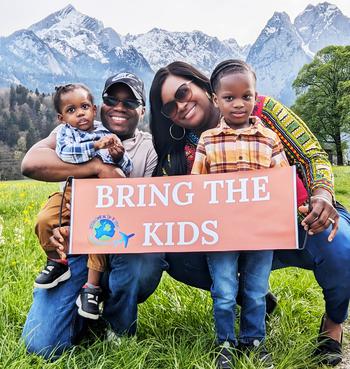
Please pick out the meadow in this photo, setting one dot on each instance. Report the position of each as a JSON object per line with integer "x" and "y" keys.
{"x": 175, "y": 327}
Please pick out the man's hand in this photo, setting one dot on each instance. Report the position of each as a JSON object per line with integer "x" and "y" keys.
{"x": 322, "y": 214}
{"x": 59, "y": 241}
{"x": 102, "y": 170}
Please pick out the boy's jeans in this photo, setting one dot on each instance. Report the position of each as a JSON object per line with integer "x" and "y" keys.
{"x": 254, "y": 267}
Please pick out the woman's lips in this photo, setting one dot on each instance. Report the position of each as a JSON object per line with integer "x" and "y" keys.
{"x": 190, "y": 113}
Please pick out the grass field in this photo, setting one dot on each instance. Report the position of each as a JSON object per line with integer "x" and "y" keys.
{"x": 175, "y": 325}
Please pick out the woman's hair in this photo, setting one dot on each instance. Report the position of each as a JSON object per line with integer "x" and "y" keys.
{"x": 229, "y": 66}
{"x": 61, "y": 90}
{"x": 171, "y": 155}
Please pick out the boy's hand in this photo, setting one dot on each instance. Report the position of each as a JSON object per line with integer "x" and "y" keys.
{"x": 59, "y": 241}
{"x": 106, "y": 142}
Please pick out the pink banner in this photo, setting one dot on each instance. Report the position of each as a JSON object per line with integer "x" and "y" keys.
{"x": 253, "y": 210}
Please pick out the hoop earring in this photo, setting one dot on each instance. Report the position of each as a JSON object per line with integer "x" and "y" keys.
{"x": 176, "y": 138}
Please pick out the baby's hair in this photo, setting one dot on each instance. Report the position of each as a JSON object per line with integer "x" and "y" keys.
{"x": 61, "y": 90}
{"x": 227, "y": 67}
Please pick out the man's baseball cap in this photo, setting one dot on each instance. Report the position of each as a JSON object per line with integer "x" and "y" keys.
{"x": 131, "y": 80}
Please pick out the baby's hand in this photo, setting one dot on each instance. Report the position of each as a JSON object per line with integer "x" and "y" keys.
{"x": 106, "y": 142}
{"x": 116, "y": 151}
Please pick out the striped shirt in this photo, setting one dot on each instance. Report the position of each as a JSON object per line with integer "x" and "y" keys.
{"x": 223, "y": 149}
{"x": 76, "y": 146}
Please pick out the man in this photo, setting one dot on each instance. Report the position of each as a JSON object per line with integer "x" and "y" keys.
{"x": 53, "y": 324}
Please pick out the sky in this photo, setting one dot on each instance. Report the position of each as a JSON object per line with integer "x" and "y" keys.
{"x": 241, "y": 20}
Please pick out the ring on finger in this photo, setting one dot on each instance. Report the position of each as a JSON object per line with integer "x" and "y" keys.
{"x": 331, "y": 220}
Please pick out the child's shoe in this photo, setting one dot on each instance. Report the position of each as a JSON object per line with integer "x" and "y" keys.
{"x": 53, "y": 273}
{"x": 88, "y": 302}
{"x": 225, "y": 356}
{"x": 260, "y": 351}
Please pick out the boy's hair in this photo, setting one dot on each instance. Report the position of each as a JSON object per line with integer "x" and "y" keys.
{"x": 61, "y": 90}
{"x": 227, "y": 67}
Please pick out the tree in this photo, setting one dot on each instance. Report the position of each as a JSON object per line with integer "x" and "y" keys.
{"x": 323, "y": 90}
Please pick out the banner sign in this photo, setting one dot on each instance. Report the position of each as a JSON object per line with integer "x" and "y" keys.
{"x": 254, "y": 210}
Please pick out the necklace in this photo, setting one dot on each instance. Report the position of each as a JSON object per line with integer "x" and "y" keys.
{"x": 192, "y": 138}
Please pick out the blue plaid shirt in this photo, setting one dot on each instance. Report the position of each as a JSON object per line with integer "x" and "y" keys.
{"x": 76, "y": 146}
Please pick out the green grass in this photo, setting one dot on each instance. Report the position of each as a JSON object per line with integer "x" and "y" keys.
{"x": 175, "y": 325}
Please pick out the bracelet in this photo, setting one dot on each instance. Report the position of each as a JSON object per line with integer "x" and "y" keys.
{"x": 323, "y": 198}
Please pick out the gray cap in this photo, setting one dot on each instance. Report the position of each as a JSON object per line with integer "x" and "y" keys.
{"x": 131, "y": 80}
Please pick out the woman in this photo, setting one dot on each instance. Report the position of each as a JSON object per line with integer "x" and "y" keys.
{"x": 181, "y": 109}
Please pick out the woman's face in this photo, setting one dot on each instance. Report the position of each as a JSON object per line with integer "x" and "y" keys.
{"x": 192, "y": 114}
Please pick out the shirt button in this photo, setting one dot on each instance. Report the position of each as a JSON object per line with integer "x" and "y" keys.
{"x": 240, "y": 157}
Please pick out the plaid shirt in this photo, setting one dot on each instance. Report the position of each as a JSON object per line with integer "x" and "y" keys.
{"x": 76, "y": 146}
{"x": 223, "y": 149}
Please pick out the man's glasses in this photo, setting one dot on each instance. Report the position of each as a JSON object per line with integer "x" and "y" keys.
{"x": 182, "y": 94}
{"x": 128, "y": 103}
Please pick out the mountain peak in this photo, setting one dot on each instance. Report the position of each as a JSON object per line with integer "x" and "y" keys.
{"x": 66, "y": 10}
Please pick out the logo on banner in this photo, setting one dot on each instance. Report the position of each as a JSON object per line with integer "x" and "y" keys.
{"x": 105, "y": 230}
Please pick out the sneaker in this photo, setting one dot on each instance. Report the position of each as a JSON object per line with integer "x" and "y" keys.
{"x": 225, "y": 356}
{"x": 52, "y": 275}
{"x": 260, "y": 351}
{"x": 329, "y": 350}
{"x": 88, "y": 302}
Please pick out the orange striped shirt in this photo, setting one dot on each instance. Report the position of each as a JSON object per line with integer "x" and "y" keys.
{"x": 223, "y": 149}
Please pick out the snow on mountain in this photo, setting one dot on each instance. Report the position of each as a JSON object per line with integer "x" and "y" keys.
{"x": 79, "y": 32}
{"x": 322, "y": 25}
{"x": 277, "y": 56}
{"x": 69, "y": 46}
{"x": 161, "y": 47}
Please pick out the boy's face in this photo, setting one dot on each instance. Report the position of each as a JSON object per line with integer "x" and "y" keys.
{"x": 235, "y": 98}
{"x": 77, "y": 109}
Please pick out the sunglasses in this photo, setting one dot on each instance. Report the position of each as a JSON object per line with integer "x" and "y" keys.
{"x": 182, "y": 94}
{"x": 128, "y": 103}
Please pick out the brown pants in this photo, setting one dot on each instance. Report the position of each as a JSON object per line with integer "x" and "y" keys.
{"x": 48, "y": 218}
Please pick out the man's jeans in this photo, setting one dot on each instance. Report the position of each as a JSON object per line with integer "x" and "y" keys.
{"x": 253, "y": 282}
{"x": 53, "y": 323}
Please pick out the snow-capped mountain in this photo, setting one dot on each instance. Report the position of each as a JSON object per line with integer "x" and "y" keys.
{"x": 162, "y": 47}
{"x": 68, "y": 46}
{"x": 322, "y": 25}
{"x": 64, "y": 47}
{"x": 277, "y": 56}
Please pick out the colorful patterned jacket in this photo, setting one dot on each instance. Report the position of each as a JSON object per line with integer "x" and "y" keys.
{"x": 300, "y": 145}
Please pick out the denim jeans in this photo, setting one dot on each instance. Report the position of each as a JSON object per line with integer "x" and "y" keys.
{"x": 253, "y": 282}
{"x": 329, "y": 262}
{"x": 53, "y": 324}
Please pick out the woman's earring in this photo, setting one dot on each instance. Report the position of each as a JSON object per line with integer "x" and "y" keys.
{"x": 176, "y": 138}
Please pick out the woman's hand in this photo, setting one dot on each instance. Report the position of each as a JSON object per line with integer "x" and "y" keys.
{"x": 322, "y": 214}
{"x": 59, "y": 241}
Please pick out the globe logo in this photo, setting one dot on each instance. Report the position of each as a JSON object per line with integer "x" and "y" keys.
{"x": 104, "y": 229}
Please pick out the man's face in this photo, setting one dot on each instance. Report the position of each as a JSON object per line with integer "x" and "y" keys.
{"x": 119, "y": 119}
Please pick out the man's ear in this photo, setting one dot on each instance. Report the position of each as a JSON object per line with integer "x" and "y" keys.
{"x": 142, "y": 112}
{"x": 94, "y": 108}
{"x": 215, "y": 100}
{"x": 60, "y": 117}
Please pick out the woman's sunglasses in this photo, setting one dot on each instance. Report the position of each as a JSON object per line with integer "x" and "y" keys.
{"x": 182, "y": 94}
{"x": 128, "y": 103}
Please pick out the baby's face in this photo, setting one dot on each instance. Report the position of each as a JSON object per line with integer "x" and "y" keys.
{"x": 77, "y": 109}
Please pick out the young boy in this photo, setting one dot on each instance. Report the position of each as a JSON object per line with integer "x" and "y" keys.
{"x": 79, "y": 140}
{"x": 239, "y": 142}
